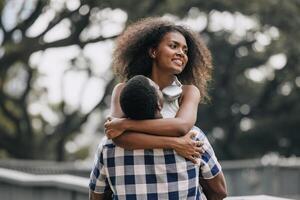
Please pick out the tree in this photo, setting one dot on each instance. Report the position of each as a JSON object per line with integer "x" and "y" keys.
{"x": 254, "y": 99}
{"x": 256, "y": 77}
{"x": 254, "y": 107}
{"x": 28, "y": 135}
{"x": 18, "y": 135}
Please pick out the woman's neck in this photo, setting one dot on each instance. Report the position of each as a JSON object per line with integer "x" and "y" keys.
{"x": 162, "y": 79}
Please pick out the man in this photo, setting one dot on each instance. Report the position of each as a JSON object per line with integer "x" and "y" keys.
{"x": 157, "y": 173}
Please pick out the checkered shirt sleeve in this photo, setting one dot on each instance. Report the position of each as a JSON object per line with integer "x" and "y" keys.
{"x": 98, "y": 177}
{"x": 209, "y": 165}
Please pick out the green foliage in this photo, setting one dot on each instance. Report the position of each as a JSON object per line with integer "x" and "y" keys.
{"x": 250, "y": 114}
{"x": 256, "y": 117}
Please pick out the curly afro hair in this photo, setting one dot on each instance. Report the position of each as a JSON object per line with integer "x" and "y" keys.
{"x": 131, "y": 56}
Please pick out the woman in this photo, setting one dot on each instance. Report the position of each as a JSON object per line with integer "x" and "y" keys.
{"x": 168, "y": 54}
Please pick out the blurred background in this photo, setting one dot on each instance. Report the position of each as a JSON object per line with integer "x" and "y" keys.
{"x": 56, "y": 82}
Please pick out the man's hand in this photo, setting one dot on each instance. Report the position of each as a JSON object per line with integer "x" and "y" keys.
{"x": 188, "y": 148}
{"x": 114, "y": 127}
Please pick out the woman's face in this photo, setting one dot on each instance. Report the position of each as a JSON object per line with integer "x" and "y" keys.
{"x": 171, "y": 53}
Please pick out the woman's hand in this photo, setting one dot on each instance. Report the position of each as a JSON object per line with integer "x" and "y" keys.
{"x": 188, "y": 148}
{"x": 114, "y": 127}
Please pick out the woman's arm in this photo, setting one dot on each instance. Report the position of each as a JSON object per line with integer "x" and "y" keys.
{"x": 184, "y": 146}
{"x": 178, "y": 126}
{"x": 115, "y": 108}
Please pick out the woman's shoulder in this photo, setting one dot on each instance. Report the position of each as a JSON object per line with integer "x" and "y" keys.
{"x": 119, "y": 86}
{"x": 117, "y": 89}
{"x": 190, "y": 91}
{"x": 190, "y": 88}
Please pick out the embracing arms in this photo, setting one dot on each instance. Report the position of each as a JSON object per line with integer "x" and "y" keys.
{"x": 178, "y": 126}
{"x": 149, "y": 134}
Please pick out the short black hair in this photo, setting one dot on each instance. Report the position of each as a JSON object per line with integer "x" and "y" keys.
{"x": 138, "y": 99}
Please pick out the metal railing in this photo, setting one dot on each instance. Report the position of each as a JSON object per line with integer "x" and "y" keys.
{"x": 277, "y": 177}
{"x": 20, "y": 185}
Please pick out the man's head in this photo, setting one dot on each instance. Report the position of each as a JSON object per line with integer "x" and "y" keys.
{"x": 141, "y": 98}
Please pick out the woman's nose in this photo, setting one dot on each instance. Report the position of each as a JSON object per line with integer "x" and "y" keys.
{"x": 180, "y": 52}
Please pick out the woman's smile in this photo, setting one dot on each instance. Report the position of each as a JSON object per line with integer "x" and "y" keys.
{"x": 178, "y": 62}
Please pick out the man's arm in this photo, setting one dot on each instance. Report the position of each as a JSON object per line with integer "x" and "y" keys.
{"x": 99, "y": 186}
{"x": 97, "y": 196}
{"x": 211, "y": 177}
{"x": 215, "y": 188}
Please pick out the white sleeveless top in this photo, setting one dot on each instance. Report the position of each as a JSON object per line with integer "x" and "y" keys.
{"x": 169, "y": 109}
{"x": 171, "y": 105}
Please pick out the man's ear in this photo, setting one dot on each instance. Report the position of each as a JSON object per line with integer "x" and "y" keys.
{"x": 159, "y": 107}
{"x": 152, "y": 52}
{"x": 157, "y": 113}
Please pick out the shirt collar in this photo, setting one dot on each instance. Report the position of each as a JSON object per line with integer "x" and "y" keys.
{"x": 173, "y": 91}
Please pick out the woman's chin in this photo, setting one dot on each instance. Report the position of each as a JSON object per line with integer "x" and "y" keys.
{"x": 177, "y": 71}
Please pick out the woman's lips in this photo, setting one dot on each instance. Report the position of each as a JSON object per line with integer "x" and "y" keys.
{"x": 178, "y": 62}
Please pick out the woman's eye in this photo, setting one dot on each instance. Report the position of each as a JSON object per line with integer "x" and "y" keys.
{"x": 173, "y": 46}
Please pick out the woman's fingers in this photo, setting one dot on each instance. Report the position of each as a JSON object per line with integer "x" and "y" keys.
{"x": 106, "y": 124}
{"x": 200, "y": 150}
{"x": 193, "y": 159}
{"x": 192, "y": 134}
{"x": 199, "y": 143}
{"x": 197, "y": 154}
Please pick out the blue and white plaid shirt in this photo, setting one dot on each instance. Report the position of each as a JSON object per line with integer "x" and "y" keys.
{"x": 151, "y": 174}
